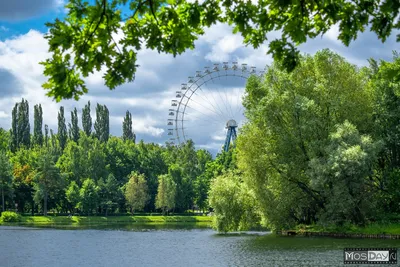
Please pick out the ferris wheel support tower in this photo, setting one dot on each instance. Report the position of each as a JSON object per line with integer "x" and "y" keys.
{"x": 231, "y": 126}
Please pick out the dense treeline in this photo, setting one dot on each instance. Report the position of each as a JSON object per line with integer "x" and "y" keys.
{"x": 321, "y": 145}
{"x": 90, "y": 172}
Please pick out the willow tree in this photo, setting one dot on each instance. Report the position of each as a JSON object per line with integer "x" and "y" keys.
{"x": 285, "y": 149}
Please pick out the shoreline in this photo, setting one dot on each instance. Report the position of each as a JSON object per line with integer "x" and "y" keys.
{"x": 294, "y": 233}
{"x": 87, "y": 220}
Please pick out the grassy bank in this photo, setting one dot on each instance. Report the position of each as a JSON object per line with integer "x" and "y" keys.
{"x": 43, "y": 220}
{"x": 370, "y": 229}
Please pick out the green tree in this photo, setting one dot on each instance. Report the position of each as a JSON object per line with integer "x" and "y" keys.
{"x": 151, "y": 163}
{"x": 37, "y": 125}
{"x": 113, "y": 193}
{"x": 47, "y": 178}
{"x": 102, "y": 123}
{"x": 4, "y": 140}
{"x": 386, "y": 114}
{"x": 84, "y": 40}
{"x": 74, "y": 129}
{"x": 24, "y": 162}
{"x": 87, "y": 119}
{"x": 5, "y": 177}
{"x": 165, "y": 199}
{"x": 24, "y": 135}
{"x": 74, "y": 162}
{"x": 234, "y": 204}
{"x": 343, "y": 177}
{"x": 46, "y": 135}
{"x": 20, "y": 127}
{"x": 127, "y": 132}
{"x": 62, "y": 129}
{"x": 136, "y": 192}
{"x": 72, "y": 195}
{"x": 202, "y": 182}
{"x": 89, "y": 196}
{"x": 122, "y": 158}
{"x": 291, "y": 118}
{"x": 97, "y": 161}
{"x": 14, "y": 129}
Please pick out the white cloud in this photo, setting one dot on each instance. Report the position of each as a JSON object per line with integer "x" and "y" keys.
{"x": 333, "y": 33}
{"x": 3, "y": 114}
{"x": 157, "y": 79}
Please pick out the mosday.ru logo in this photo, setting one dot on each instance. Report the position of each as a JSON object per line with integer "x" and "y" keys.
{"x": 372, "y": 255}
{"x": 356, "y": 256}
{"x": 378, "y": 255}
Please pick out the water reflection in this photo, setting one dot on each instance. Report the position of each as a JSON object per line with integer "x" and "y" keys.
{"x": 172, "y": 244}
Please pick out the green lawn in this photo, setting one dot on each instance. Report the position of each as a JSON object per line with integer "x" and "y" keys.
{"x": 110, "y": 219}
{"x": 373, "y": 228}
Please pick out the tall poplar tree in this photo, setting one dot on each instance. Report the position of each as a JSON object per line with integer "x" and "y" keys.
{"x": 37, "y": 125}
{"x": 14, "y": 129}
{"x": 127, "y": 131}
{"x": 74, "y": 128}
{"x": 102, "y": 123}
{"x": 23, "y": 127}
{"x": 53, "y": 139}
{"x": 87, "y": 119}
{"x": 62, "y": 128}
{"x": 20, "y": 128}
{"x": 46, "y": 135}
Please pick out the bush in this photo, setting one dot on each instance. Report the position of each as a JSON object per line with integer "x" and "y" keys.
{"x": 10, "y": 216}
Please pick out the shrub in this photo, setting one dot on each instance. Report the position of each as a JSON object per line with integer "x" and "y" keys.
{"x": 10, "y": 216}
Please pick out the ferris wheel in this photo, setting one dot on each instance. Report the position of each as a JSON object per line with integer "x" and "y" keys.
{"x": 208, "y": 108}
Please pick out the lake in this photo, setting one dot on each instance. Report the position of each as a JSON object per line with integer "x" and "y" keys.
{"x": 168, "y": 245}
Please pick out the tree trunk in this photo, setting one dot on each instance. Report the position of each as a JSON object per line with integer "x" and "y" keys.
{"x": 45, "y": 204}
{"x": 2, "y": 198}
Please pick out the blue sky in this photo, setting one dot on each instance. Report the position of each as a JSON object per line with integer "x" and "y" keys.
{"x": 22, "y": 47}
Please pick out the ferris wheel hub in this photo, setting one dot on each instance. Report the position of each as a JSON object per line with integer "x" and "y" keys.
{"x": 231, "y": 124}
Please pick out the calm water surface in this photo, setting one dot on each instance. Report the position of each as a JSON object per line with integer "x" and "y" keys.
{"x": 171, "y": 245}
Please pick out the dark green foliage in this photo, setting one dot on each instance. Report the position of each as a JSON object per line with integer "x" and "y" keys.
{"x": 14, "y": 129}
{"x": 127, "y": 132}
{"x": 47, "y": 178}
{"x": 89, "y": 196}
{"x": 23, "y": 128}
{"x": 46, "y": 135}
{"x": 74, "y": 128}
{"x": 20, "y": 127}
{"x": 4, "y": 139}
{"x": 37, "y": 125}
{"x": 102, "y": 123}
{"x": 62, "y": 129}
{"x": 5, "y": 178}
{"x": 87, "y": 119}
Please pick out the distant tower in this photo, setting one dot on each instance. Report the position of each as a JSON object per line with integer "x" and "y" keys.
{"x": 231, "y": 125}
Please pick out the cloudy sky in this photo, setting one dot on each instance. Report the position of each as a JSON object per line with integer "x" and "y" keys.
{"x": 22, "y": 47}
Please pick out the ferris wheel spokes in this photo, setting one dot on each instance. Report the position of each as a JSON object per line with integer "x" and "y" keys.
{"x": 212, "y": 103}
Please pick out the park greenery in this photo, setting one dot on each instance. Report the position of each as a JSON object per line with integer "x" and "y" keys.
{"x": 90, "y": 172}
{"x": 321, "y": 146}
{"x": 320, "y": 150}
{"x": 108, "y": 34}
